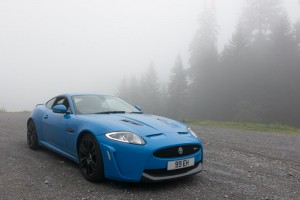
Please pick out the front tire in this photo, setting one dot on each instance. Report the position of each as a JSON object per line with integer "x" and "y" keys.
{"x": 32, "y": 138}
{"x": 90, "y": 158}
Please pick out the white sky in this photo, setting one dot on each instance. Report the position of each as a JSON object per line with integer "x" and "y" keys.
{"x": 53, "y": 47}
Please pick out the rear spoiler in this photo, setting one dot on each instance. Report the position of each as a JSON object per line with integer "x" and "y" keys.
{"x": 40, "y": 104}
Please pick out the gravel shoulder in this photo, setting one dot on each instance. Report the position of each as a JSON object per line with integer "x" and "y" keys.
{"x": 238, "y": 165}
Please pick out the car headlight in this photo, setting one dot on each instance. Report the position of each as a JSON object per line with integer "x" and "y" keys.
{"x": 127, "y": 137}
{"x": 192, "y": 132}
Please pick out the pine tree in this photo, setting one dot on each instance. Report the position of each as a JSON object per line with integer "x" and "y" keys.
{"x": 150, "y": 94}
{"x": 203, "y": 48}
{"x": 203, "y": 72}
{"x": 123, "y": 90}
{"x": 233, "y": 69}
{"x": 134, "y": 92}
{"x": 177, "y": 89}
{"x": 259, "y": 17}
{"x": 259, "y": 71}
{"x": 297, "y": 35}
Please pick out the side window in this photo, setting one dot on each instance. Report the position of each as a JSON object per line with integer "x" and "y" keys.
{"x": 60, "y": 102}
{"x": 49, "y": 104}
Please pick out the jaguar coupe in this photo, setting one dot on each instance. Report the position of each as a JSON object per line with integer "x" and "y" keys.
{"x": 111, "y": 139}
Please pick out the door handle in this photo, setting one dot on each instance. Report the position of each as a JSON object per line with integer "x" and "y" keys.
{"x": 46, "y": 117}
{"x": 71, "y": 130}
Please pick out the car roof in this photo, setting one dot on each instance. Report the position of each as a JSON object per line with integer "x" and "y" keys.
{"x": 83, "y": 94}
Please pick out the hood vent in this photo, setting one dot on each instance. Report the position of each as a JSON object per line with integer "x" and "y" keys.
{"x": 163, "y": 120}
{"x": 131, "y": 122}
{"x": 182, "y": 133}
{"x": 153, "y": 135}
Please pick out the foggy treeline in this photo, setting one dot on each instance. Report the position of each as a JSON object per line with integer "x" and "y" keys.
{"x": 256, "y": 77}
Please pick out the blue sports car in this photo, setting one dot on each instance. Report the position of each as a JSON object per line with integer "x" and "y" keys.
{"x": 109, "y": 138}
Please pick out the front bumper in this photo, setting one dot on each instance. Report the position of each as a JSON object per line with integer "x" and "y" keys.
{"x": 135, "y": 163}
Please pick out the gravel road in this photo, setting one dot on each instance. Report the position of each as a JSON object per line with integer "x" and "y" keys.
{"x": 238, "y": 165}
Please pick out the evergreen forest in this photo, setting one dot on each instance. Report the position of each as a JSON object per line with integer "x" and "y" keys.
{"x": 254, "y": 79}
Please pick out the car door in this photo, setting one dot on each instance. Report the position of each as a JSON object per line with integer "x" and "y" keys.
{"x": 54, "y": 125}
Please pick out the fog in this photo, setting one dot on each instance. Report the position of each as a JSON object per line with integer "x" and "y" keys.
{"x": 53, "y": 47}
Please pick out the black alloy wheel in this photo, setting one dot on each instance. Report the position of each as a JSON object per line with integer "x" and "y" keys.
{"x": 32, "y": 138}
{"x": 90, "y": 159}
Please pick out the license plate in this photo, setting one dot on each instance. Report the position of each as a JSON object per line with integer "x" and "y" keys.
{"x": 178, "y": 164}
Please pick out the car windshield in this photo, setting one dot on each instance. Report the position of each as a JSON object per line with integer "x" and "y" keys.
{"x": 100, "y": 104}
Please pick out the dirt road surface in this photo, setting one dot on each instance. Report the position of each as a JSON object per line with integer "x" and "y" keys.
{"x": 238, "y": 165}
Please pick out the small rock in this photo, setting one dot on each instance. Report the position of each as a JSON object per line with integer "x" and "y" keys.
{"x": 248, "y": 176}
{"x": 249, "y": 170}
{"x": 290, "y": 174}
{"x": 226, "y": 196}
{"x": 89, "y": 190}
{"x": 83, "y": 199}
{"x": 46, "y": 182}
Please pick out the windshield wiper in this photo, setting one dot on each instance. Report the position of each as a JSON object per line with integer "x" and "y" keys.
{"x": 109, "y": 112}
{"x": 136, "y": 112}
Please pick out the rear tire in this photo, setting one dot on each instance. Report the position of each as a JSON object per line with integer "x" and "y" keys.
{"x": 90, "y": 158}
{"x": 32, "y": 138}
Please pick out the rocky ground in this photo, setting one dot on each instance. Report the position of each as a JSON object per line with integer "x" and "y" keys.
{"x": 238, "y": 165}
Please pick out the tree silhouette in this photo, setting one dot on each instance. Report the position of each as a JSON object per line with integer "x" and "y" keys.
{"x": 124, "y": 90}
{"x": 254, "y": 79}
{"x": 150, "y": 94}
{"x": 204, "y": 65}
{"x": 259, "y": 70}
{"x": 177, "y": 90}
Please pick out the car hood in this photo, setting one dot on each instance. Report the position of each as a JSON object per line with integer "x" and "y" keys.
{"x": 141, "y": 124}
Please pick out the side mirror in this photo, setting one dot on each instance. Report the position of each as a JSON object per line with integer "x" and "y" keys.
{"x": 139, "y": 108}
{"x": 59, "y": 109}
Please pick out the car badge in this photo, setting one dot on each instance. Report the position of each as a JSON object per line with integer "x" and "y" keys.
{"x": 180, "y": 150}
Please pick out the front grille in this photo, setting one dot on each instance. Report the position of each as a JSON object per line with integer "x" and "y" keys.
{"x": 172, "y": 152}
{"x": 165, "y": 172}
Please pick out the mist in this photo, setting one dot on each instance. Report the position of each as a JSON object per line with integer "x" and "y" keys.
{"x": 53, "y": 47}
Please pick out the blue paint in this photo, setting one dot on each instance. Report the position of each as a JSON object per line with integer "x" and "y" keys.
{"x": 60, "y": 131}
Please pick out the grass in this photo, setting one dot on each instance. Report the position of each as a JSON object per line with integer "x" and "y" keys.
{"x": 274, "y": 128}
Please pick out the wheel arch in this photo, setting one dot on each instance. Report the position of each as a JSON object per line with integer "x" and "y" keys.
{"x": 98, "y": 173}
{"x": 29, "y": 119}
{"x": 36, "y": 124}
{"x": 80, "y": 136}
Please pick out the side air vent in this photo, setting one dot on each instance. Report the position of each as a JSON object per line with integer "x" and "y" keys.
{"x": 131, "y": 122}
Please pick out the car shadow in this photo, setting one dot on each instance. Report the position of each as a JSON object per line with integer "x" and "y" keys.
{"x": 57, "y": 156}
{"x": 152, "y": 186}
{"x": 128, "y": 186}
